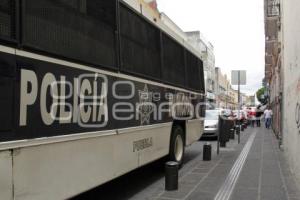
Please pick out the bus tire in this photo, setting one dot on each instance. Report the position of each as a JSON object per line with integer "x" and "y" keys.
{"x": 177, "y": 147}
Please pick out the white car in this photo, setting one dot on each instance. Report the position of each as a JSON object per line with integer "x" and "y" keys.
{"x": 211, "y": 123}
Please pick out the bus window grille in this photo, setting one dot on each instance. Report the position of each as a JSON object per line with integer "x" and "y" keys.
{"x": 193, "y": 68}
{"x": 202, "y": 83}
{"x": 174, "y": 65}
{"x": 140, "y": 42}
{"x": 82, "y": 30}
{"x": 7, "y": 19}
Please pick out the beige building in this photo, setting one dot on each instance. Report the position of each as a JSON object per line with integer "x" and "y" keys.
{"x": 146, "y": 7}
{"x": 250, "y": 101}
{"x": 233, "y": 99}
{"x": 236, "y": 98}
{"x": 243, "y": 100}
{"x": 222, "y": 88}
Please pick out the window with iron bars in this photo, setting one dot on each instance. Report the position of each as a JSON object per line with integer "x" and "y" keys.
{"x": 273, "y": 8}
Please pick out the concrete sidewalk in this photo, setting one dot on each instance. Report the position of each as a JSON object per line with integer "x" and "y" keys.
{"x": 253, "y": 169}
{"x": 266, "y": 174}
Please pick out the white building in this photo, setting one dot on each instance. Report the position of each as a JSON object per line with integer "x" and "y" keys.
{"x": 290, "y": 74}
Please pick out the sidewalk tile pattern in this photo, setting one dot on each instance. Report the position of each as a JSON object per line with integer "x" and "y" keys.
{"x": 265, "y": 175}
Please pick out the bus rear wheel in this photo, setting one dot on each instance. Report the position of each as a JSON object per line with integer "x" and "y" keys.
{"x": 176, "y": 152}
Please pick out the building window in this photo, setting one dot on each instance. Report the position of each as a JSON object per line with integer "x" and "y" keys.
{"x": 273, "y": 8}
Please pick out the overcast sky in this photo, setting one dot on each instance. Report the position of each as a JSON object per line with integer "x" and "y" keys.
{"x": 234, "y": 27}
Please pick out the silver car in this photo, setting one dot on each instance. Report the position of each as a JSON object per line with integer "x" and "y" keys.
{"x": 211, "y": 123}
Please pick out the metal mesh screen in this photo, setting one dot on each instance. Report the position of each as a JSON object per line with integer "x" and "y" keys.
{"x": 193, "y": 74}
{"x": 173, "y": 70}
{"x": 202, "y": 82}
{"x": 83, "y": 30}
{"x": 7, "y": 19}
{"x": 140, "y": 44}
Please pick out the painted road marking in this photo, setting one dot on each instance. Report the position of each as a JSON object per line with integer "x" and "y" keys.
{"x": 229, "y": 184}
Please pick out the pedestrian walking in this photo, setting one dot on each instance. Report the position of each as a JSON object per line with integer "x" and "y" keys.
{"x": 251, "y": 115}
{"x": 268, "y": 117}
{"x": 253, "y": 120}
{"x": 258, "y": 116}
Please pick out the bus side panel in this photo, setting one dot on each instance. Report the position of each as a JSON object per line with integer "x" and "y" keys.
{"x": 195, "y": 127}
{"x": 7, "y": 78}
{"x": 6, "y": 183}
{"x": 161, "y": 144}
{"x": 62, "y": 170}
{"x": 194, "y": 130}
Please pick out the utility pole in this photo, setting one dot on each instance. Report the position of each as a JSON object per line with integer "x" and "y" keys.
{"x": 238, "y": 77}
{"x": 226, "y": 97}
{"x": 239, "y": 106}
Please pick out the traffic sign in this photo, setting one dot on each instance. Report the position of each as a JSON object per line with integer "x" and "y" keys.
{"x": 238, "y": 77}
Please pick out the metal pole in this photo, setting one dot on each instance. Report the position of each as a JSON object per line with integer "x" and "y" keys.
{"x": 218, "y": 146}
{"x": 239, "y": 107}
{"x": 226, "y": 96}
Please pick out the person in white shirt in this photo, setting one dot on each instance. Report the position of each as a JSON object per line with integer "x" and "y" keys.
{"x": 268, "y": 117}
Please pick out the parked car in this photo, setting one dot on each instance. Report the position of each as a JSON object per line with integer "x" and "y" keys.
{"x": 211, "y": 123}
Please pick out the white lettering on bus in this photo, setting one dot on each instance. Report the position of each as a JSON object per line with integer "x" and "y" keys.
{"x": 76, "y": 110}
{"x": 27, "y": 98}
{"x": 48, "y": 117}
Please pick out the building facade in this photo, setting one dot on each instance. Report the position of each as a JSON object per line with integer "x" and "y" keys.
{"x": 222, "y": 88}
{"x": 283, "y": 75}
{"x": 148, "y": 8}
{"x": 273, "y": 69}
{"x": 207, "y": 53}
{"x": 250, "y": 101}
{"x": 290, "y": 78}
{"x": 233, "y": 99}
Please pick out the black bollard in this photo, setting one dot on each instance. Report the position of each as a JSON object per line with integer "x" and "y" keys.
{"x": 222, "y": 144}
{"x": 171, "y": 176}
{"x": 237, "y": 129}
{"x": 228, "y": 135}
{"x": 238, "y": 132}
{"x": 232, "y": 134}
{"x": 207, "y": 152}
